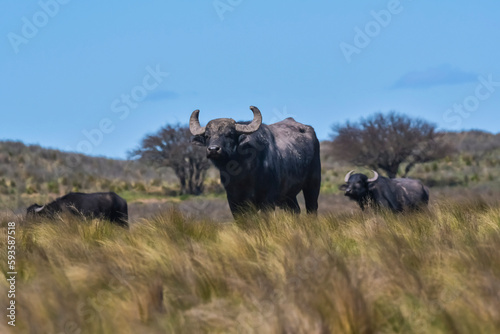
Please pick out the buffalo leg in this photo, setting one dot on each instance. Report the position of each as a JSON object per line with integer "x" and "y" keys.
{"x": 292, "y": 205}
{"x": 240, "y": 208}
{"x": 236, "y": 209}
{"x": 313, "y": 184}
{"x": 311, "y": 194}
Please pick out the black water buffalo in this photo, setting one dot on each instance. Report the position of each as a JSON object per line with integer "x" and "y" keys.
{"x": 262, "y": 165}
{"x": 395, "y": 194}
{"x": 99, "y": 205}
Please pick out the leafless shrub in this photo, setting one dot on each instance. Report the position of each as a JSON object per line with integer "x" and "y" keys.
{"x": 388, "y": 141}
{"x": 171, "y": 147}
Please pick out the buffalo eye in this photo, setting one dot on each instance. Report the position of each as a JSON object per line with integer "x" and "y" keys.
{"x": 230, "y": 135}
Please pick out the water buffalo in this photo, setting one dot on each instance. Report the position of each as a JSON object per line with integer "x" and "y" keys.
{"x": 99, "y": 205}
{"x": 262, "y": 165}
{"x": 395, "y": 194}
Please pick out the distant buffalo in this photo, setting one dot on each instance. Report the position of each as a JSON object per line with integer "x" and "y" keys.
{"x": 108, "y": 205}
{"x": 394, "y": 194}
{"x": 263, "y": 165}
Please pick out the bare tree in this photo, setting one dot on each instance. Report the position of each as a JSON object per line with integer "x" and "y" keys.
{"x": 171, "y": 147}
{"x": 387, "y": 141}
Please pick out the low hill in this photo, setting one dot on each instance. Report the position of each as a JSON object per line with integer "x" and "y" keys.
{"x": 30, "y": 173}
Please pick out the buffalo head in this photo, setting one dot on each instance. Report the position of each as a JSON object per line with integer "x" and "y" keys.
{"x": 357, "y": 185}
{"x": 221, "y": 136}
{"x": 35, "y": 209}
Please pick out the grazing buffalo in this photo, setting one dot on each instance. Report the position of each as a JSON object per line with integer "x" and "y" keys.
{"x": 99, "y": 205}
{"x": 262, "y": 165}
{"x": 395, "y": 194}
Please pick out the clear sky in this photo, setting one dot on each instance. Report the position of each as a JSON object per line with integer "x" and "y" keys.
{"x": 96, "y": 76}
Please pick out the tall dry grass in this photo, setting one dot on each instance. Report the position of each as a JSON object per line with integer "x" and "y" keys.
{"x": 428, "y": 272}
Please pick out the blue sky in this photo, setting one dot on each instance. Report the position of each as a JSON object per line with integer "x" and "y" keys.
{"x": 96, "y": 77}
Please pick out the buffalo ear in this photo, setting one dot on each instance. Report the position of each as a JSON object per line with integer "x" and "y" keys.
{"x": 343, "y": 187}
{"x": 198, "y": 140}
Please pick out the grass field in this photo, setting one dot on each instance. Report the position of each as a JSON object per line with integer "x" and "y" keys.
{"x": 340, "y": 272}
{"x": 186, "y": 267}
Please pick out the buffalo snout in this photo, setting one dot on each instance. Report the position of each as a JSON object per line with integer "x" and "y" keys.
{"x": 213, "y": 151}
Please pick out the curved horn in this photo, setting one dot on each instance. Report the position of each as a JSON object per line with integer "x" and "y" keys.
{"x": 39, "y": 209}
{"x": 347, "y": 176}
{"x": 374, "y": 178}
{"x": 254, "y": 124}
{"x": 194, "y": 124}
